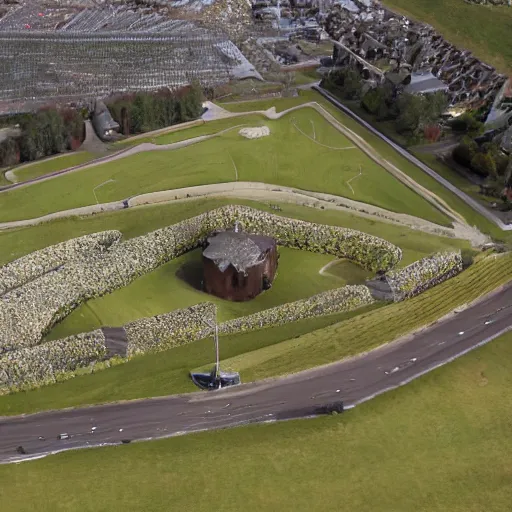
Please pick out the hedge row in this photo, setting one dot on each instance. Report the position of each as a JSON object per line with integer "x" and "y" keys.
{"x": 178, "y": 327}
{"x": 29, "y": 311}
{"x": 36, "y": 366}
{"x": 325, "y": 303}
{"x": 424, "y": 274}
{"x": 46, "y": 363}
{"x": 35, "y": 264}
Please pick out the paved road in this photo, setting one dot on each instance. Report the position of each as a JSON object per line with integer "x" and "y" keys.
{"x": 467, "y": 199}
{"x": 353, "y": 381}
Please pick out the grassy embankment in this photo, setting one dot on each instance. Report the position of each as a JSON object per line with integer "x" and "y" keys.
{"x": 49, "y": 165}
{"x": 472, "y": 217}
{"x": 482, "y": 29}
{"x": 287, "y": 157}
{"x": 268, "y": 352}
{"x": 440, "y": 443}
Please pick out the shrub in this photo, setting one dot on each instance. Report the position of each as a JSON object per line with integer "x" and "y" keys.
{"x": 483, "y": 164}
{"x": 465, "y": 151}
{"x": 424, "y": 274}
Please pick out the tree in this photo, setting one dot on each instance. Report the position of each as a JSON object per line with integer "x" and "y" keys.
{"x": 467, "y": 123}
{"x": 411, "y": 110}
{"x": 374, "y": 101}
{"x": 9, "y": 154}
{"x": 483, "y": 164}
{"x": 465, "y": 151}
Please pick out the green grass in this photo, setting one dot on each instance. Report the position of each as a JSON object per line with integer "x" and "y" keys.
{"x": 207, "y": 128}
{"x": 267, "y": 352}
{"x": 481, "y": 29}
{"x": 37, "y": 169}
{"x": 371, "y": 330}
{"x": 133, "y": 222}
{"x": 286, "y": 157}
{"x": 472, "y": 217}
{"x": 441, "y": 443}
{"x": 154, "y": 374}
{"x": 176, "y": 285}
{"x": 280, "y": 104}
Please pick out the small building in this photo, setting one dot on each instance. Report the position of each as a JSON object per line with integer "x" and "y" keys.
{"x": 238, "y": 266}
{"x": 103, "y": 122}
{"x": 425, "y": 83}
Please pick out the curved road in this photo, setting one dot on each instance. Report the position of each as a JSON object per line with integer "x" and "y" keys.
{"x": 353, "y": 381}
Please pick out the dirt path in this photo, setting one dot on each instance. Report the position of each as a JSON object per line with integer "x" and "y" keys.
{"x": 459, "y": 222}
{"x": 264, "y": 192}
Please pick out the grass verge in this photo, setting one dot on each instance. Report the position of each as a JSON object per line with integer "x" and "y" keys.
{"x": 138, "y": 221}
{"x": 440, "y": 443}
{"x": 299, "y": 143}
{"x": 58, "y": 163}
{"x": 154, "y": 374}
{"x": 370, "y": 330}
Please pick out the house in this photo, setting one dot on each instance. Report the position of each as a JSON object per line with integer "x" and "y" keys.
{"x": 238, "y": 266}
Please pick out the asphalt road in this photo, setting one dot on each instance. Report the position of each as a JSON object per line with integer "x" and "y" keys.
{"x": 353, "y": 381}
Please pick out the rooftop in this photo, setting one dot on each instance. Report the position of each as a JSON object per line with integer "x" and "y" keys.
{"x": 242, "y": 250}
{"x": 425, "y": 83}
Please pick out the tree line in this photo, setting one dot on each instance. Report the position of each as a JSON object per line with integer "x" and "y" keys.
{"x": 46, "y": 132}
{"x": 413, "y": 116}
{"x": 145, "y": 111}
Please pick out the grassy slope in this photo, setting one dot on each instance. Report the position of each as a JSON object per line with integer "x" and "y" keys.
{"x": 31, "y": 171}
{"x": 285, "y": 158}
{"x": 483, "y": 30}
{"x": 166, "y": 289}
{"x": 268, "y": 352}
{"x": 386, "y": 455}
{"x": 370, "y": 330}
{"x": 155, "y": 374}
{"x": 134, "y": 222}
{"x": 472, "y": 217}
{"x": 197, "y": 131}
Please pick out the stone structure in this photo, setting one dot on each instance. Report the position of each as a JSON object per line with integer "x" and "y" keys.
{"x": 238, "y": 266}
{"x": 70, "y": 54}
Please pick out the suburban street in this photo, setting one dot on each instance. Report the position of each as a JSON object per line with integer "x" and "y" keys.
{"x": 300, "y": 395}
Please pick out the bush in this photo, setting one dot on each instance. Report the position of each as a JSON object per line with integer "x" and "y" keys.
{"x": 484, "y": 165}
{"x": 424, "y": 274}
{"x": 143, "y": 112}
{"x": 51, "y": 290}
{"x": 465, "y": 151}
{"x": 467, "y": 123}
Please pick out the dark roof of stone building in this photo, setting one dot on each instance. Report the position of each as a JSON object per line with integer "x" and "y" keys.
{"x": 102, "y": 118}
{"x": 242, "y": 250}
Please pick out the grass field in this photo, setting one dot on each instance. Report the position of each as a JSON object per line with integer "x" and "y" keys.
{"x": 156, "y": 374}
{"x": 177, "y": 285}
{"x": 137, "y": 221}
{"x": 37, "y": 169}
{"x": 441, "y": 443}
{"x": 286, "y": 157}
{"x": 370, "y": 330}
{"x": 208, "y": 128}
{"x": 481, "y": 29}
{"x": 267, "y": 352}
{"x": 473, "y": 218}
